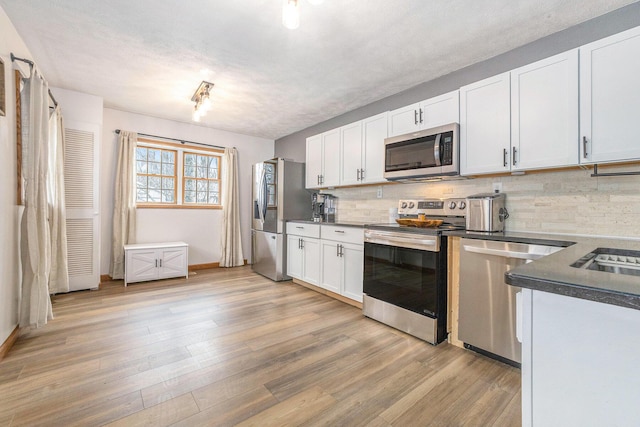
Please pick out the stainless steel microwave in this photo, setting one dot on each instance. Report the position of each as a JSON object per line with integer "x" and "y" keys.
{"x": 428, "y": 153}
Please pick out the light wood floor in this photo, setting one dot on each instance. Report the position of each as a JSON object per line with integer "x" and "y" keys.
{"x": 228, "y": 347}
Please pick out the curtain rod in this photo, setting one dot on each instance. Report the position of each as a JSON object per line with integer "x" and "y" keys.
{"x": 181, "y": 141}
{"x": 31, "y": 64}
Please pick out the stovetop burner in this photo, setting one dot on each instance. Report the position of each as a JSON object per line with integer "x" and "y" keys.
{"x": 451, "y": 211}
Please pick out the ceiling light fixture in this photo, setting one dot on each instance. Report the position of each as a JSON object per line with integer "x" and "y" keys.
{"x": 291, "y": 12}
{"x": 202, "y": 98}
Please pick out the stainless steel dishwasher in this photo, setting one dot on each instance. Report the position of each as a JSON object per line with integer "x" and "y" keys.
{"x": 487, "y": 316}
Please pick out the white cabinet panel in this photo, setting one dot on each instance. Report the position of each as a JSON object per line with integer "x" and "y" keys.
{"x": 142, "y": 265}
{"x": 352, "y": 274}
{"x": 441, "y": 110}
{"x": 544, "y": 113}
{"x": 294, "y": 256}
{"x": 330, "y": 176}
{"x": 351, "y": 153}
{"x": 583, "y": 354}
{"x": 374, "y": 132}
{"x": 609, "y": 101}
{"x": 172, "y": 262}
{"x": 311, "y": 260}
{"x": 485, "y": 128}
{"x": 303, "y": 251}
{"x": 313, "y": 166}
{"x": 437, "y": 111}
{"x": 331, "y": 266}
{"x": 404, "y": 120}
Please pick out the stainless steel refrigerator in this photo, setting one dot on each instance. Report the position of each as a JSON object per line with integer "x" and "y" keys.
{"x": 278, "y": 195}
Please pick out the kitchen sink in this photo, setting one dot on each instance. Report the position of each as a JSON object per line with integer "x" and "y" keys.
{"x": 616, "y": 261}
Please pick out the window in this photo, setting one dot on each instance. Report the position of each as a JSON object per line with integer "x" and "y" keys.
{"x": 201, "y": 179}
{"x": 172, "y": 175}
{"x": 156, "y": 175}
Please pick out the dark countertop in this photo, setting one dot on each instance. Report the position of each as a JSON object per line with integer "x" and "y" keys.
{"x": 340, "y": 223}
{"x": 553, "y": 273}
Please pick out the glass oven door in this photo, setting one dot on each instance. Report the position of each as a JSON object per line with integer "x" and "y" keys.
{"x": 413, "y": 279}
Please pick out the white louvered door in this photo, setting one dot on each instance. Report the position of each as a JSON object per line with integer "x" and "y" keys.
{"x": 81, "y": 163}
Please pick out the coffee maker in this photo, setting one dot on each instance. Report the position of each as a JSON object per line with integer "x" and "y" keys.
{"x": 323, "y": 207}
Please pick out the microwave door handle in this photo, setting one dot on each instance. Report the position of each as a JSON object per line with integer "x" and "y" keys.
{"x": 436, "y": 150}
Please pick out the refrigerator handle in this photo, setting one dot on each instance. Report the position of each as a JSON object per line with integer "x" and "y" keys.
{"x": 264, "y": 194}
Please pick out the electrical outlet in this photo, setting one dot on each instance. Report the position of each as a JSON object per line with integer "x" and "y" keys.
{"x": 379, "y": 193}
{"x": 497, "y": 187}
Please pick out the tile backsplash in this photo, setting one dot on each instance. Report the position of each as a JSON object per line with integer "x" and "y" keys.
{"x": 566, "y": 201}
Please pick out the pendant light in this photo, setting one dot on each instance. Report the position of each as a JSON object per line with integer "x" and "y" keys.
{"x": 290, "y": 14}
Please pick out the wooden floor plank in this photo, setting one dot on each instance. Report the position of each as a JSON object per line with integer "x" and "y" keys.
{"x": 228, "y": 347}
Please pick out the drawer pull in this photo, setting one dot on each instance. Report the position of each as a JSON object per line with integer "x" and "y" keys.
{"x": 338, "y": 231}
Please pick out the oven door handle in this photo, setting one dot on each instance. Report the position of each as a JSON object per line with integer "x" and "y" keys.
{"x": 502, "y": 253}
{"x": 411, "y": 243}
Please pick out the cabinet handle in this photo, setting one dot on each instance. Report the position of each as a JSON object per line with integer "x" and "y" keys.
{"x": 361, "y": 174}
{"x": 421, "y": 115}
{"x": 156, "y": 263}
{"x": 358, "y": 174}
{"x": 341, "y": 250}
{"x": 299, "y": 227}
{"x": 338, "y": 231}
{"x": 415, "y": 116}
{"x": 160, "y": 263}
{"x": 514, "y": 155}
{"x": 584, "y": 147}
{"x": 301, "y": 244}
{"x": 318, "y": 180}
{"x": 505, "y": 156}
{"x": 337, "y": 250}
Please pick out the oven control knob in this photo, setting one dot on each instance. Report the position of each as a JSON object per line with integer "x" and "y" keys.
{"x": 463, "y": 205}
{"x": 452, "y": 205}
{"x": 403, "y": 205}
{"x": 411, "y": 205}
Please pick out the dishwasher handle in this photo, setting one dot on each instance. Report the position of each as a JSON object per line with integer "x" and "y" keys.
{"x": 503, "y": 253}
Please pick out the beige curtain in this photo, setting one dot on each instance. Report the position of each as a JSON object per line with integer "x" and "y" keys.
{"x": 231, "y": 241}
{"x": 35, "y": 243}
{"x": 59, "y": 276}
{"x": 124, "y": 205}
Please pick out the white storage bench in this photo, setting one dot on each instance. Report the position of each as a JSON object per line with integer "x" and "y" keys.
{"x": 153, "y": 261}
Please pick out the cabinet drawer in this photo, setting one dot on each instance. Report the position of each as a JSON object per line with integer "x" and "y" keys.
{"x": 303, "y": 229}
{"x": 338, "y": 233}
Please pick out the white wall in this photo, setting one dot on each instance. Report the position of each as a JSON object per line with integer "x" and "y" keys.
{"x": 200, "y": 228}
{"x": 10, "y": 213}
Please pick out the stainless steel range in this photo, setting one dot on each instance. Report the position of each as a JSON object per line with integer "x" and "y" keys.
{"x": 405, "y": 269}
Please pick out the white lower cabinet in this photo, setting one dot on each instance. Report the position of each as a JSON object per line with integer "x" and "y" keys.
{"x": 342, "y": 260}
{"x": 153, "y": 261}
{"x": 579, "y": 362}
{"x": 303, "y": 252}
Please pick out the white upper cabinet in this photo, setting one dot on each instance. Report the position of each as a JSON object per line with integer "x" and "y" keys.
{"x": 437, "y": 111}
{"x": 374, "y": 132}
{"x": 362, "y": 151}
{"x": 323, "y": 160}
{"x": 544, "y": 113}
{"x": 313, "y": 167}
{"x": 350, "y": 155}
{"x": 610, "y": 98}
{"x": 351, "y": 150}
{"x": 485, "y": 126}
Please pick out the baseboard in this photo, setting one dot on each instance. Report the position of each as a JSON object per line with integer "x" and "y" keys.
{"x": 328, "y": 293}
{"x": 195, "y": 267}
{"x": 8, "y": 343}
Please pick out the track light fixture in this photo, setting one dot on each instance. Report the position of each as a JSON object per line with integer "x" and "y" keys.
{"x": 202, "y": 98}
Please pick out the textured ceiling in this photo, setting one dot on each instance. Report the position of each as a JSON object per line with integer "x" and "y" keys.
{"x": 148, "y": 56}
